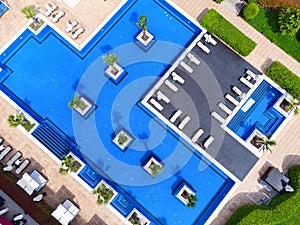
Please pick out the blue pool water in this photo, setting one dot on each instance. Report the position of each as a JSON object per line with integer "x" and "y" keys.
{"x": 42, "y": 73}
{"x": 261, "y": 115}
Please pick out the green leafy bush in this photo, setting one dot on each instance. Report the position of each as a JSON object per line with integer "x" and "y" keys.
{"x": 218, "y": 1}
{"x": 250, "y": 10}
{"x": 279, "y": 209}
{"x": 217, "y": 24}
{"x": 284, "y": 78}
{"x": 289, "y": 21}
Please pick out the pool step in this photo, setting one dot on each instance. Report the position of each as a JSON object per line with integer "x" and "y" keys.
{"x": 260, "y": 91}
{"x": 91, "y": 177}
{"x": 53, "y": 140}
{"x": 121, "y": 204}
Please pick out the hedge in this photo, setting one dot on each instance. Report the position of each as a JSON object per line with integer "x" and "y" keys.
{"x": 218, "y": 25}
{"x": 279, "y": 210}
{"x": 284, "y": 78}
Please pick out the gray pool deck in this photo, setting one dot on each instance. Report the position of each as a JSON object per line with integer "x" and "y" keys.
{"x": 202, "y": 90}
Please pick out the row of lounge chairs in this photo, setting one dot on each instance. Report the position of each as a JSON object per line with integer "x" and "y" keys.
{"x": 14, "y": 161}
{"x": 184, "y": 122}
{"x": 50, "y": 11}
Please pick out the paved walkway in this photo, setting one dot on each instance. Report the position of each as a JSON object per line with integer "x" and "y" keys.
{"x": 90, "y": 13}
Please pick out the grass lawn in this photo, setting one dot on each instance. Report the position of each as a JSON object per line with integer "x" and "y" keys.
{"x": 267, "y": 21}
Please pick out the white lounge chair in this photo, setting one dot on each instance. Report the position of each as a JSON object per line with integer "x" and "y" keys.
{"x": 23, "y": 165}
{"x": 171, "y": 86}
{"x": 71, "y": 25}
{"x": 162, "y": 96}
{"x": 197, "y": 135}
{"x": 186, "y": 67}
{"x": 184, "y": 122}
{"x": 59, "y": 15}
{"x": 5, "y": 152}
{"x": 203, "y": 47}
{"x": 208, "y": 142}
{"x": 238, "y": 92}
{"x": 79, "y": 31}
{"x": 193, "y": 59}
{"x": 246, "y": 82}
{"x": 178, "y": 78}
{"x": 253, "y": 75}
{"x": 3, "y": 211}
{"x": 175, "y": 115}
{"x": 50, "y": 9}
{"x": 232, "y": 99}
{"x": 156, "y": 104}
{"x": 209, "y": 39}
{"x": 11, "y": 161}
{"x": 217, "y": 116}
{"x": 224, "y": 108}
{"x": 1, "y": 140}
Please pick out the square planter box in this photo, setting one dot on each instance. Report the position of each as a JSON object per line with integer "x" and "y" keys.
{"x": 115, "y": 77}
{"x": 182, "y": 190}
{"x": 138, "y": 218}
{"x": 145, "y": 44}
{"x": 87, "y": 110}
{"x": 150, "y": 162}
{"x": 123, "y": 146}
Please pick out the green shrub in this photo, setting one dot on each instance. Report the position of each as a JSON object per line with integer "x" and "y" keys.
{"x": 218, "y": 1}
{"x": 217, "y": 24}
{"x": 279, "y": 210}
{"x": 284, "y": 78}
{"x": 289, "y": 21}
{"x": 250, "y": 10}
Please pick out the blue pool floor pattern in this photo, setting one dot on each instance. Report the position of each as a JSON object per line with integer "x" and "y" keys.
{"x": 261, "y": 115}
{"x": 55, "y": 91}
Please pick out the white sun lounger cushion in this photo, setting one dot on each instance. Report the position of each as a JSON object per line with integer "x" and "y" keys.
{"x": 232, "y": 99}
{"x": 156, "y": 104}
{"x": 59, "y": 15}
{"x": 178, "y": 78}
{"x": 217, "y": 116}
{"x": 193, "y": 58}
{"x": 14, "y": 158}
{"x": 176, "y": 115}
{"x": 246, "y": 82}
{"x": 209, "y": 39}
{"x": 161, "y": 96}
{"x": 1, "y": 140}
{"x": 171, "y": 86}
{"x": 184, "y": 122}
{"x": 50, "y": 9}
{"x": 5, "y": 152}
{"x": 203, "y": 47}
{"x": 186, "y": 67}
{"x": 23, "y": 165}
{"x": 71, "y": 25}
{"x": 224, "y": 108}
{"x": 197, "y": 135}
{"x": 208, "y": 141}
{"x": 79, "y": 31}
{"x": 253, "y": 75}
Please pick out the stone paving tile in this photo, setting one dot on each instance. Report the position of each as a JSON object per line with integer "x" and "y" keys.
{"x": 91, "y": 13}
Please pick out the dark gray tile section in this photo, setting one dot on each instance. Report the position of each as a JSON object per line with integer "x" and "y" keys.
{"x": 199, "y": 95}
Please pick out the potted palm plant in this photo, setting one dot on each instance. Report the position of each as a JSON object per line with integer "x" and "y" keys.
{"x": 113, "y": 70}
{"x": 122, "y": 140}
{"x": 155, "y": 169}
{"x": 259, "y": 141}
{"x": 143, "y": 24}
{"x": 294, "y": 104}
{"x": 77, "y": 102}
{"x": 144, "y": 37}
{"x": 103, "y": 193}
{"x": 31, "y": 13}
{"x": 69, "y": 164}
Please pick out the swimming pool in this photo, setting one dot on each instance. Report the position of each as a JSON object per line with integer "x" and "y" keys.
{"x": 42, "y": 85}
{"x": 258, "y": 113}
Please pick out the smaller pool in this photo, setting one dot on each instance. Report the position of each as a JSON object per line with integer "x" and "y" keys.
{"x": 258, "y": 113}
{"x": 3, "y": 8}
